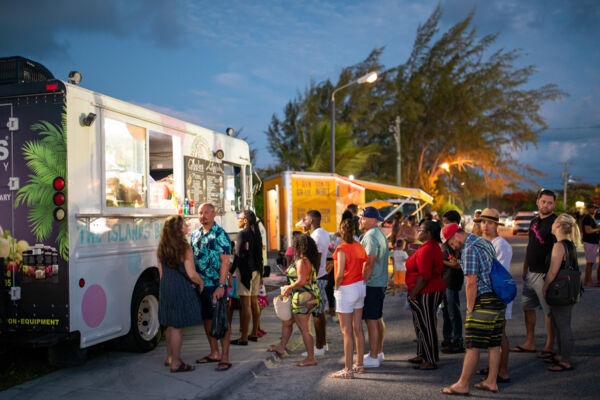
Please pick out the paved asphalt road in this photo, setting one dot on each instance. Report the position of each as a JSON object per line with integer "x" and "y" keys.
{"x": 259, "y": 375}
{"x": 396, "y": 379}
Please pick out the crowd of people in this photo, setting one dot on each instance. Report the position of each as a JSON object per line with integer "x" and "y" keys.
{"x": 433, "y": 262}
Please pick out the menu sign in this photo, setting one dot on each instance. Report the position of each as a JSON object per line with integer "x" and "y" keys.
{"x": 204, "y": 182}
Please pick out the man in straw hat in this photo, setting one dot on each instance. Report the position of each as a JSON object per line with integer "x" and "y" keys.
{"x": 485, "y": 312}
{"x": 490, "y": 221}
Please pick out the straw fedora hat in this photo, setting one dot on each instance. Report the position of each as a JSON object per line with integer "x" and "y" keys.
{"x": 489, "y": 214}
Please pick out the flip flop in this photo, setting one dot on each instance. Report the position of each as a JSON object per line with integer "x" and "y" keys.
{"x": 183, "y": 367}
{"x": 452, "y": 392}
{"x": 559, "y": 368}
{"x": 483, "y": 371}
{"x": 546, "y": 354}
{"x": 272, "y": 350}
{"x": 238, "y": 342}
{"x": 415, "y": 360}
{"x": 520, "y": 349}
{"x": 226, "y": 364}
{"x": 481, "y": 386}
{"x": 253, "y": 338}
{"x": 207, "y": 360}
{"x": 500, "y": 379}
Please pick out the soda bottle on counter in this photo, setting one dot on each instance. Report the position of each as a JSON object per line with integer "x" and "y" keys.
{"x": 186, "y": 206}
{"x": 192, "y": 210}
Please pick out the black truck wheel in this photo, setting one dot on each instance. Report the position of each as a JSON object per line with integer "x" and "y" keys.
{"x": 144, "y": 332}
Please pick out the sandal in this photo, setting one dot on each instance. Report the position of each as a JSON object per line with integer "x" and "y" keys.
{"x": 183, "y": 367}
{"x": 559, "y": 367}
{"x": 167, "y": 362}
{"x": 206, "y": 360}
{"x": 358, "y": 369}
{"x": 253, "y": 338}
{"x": 227, "y": 365}
{"x": 546, "y": 354}
{"x": 274, "y": 350}
{"x": 343, "y": 374}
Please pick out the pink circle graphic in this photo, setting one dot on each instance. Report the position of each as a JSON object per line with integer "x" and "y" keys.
{"x": 93, "y": 306}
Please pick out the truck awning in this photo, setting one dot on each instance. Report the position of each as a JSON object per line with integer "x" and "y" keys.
{"x": 397, "y": 190}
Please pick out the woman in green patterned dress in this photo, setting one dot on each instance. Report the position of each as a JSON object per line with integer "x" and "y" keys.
{"x": 305, "y": 296}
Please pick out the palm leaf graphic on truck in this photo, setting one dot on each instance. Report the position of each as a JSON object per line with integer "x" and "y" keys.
{"x": 47, "y": 159}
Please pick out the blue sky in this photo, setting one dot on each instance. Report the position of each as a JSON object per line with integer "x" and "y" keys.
{"x": 235, "y": 63}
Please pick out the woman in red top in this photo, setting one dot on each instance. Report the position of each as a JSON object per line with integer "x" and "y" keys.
{"x": 349, "y": 293}
{"x": 425, "y": 291}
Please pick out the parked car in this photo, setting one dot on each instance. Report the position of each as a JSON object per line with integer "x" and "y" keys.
{"x": 522, "y": 221}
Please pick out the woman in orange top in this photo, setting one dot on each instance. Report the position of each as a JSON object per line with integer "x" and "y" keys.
{"x": 349, "y": 293}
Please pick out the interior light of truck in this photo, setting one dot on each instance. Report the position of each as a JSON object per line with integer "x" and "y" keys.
{"x": 59, "y": 199}
{"x": 51, "y": 86}
{"x": 58, "y": 184}
{"x": 81, "y": 282}
{"x": 59, "y": 214}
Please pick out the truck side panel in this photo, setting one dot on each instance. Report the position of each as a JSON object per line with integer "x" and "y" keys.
{"x": 34, "y": 154}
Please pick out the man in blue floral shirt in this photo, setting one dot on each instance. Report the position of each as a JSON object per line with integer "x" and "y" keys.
{"x": 212, "y": 249}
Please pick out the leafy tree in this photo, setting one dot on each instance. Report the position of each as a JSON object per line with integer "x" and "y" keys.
{"x": 463, "y": 106}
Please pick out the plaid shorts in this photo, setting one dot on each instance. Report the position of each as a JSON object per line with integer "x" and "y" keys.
{"x": 321, "y": 284}
{"x": 485, "y": 324}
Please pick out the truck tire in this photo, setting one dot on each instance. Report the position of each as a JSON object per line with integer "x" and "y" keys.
{"x": 144, "y": 332}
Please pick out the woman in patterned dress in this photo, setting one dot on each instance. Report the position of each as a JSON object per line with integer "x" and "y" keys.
{"x": 179, "y": 304}
{"x": 305, "y": 296}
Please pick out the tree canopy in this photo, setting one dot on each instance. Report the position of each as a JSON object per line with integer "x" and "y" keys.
{"x": 466, "y": 110}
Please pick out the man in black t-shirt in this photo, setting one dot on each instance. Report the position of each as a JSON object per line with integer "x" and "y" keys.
{"x": 453, "y": 276}
{"x": 535, "y": 267}
{"x": 590, "y": 240}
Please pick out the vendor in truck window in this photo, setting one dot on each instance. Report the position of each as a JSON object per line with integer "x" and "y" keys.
{"x": 119, "y": 195}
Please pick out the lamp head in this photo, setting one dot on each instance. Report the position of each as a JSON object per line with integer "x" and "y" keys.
{"x": 368, "y": 78}
{"x": 75, "y": 77}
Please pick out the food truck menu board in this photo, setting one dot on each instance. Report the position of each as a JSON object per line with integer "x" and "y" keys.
{"x": 204, "y": 182}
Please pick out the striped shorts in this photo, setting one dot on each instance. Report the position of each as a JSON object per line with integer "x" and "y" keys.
{"x": 484, "y": 325}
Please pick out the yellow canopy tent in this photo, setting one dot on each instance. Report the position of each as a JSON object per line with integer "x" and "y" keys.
{"x": 377, "y": 204}
{"x": 397, "y": 190}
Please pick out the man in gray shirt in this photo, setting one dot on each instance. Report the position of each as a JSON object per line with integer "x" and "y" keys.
{"x": 375, "y": 275}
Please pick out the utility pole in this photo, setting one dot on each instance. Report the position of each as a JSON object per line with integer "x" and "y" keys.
{"x": 396, "y": 132}
{"x": 565, "y": 176}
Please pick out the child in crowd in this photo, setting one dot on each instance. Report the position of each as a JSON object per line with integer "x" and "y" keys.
{"x": 399, "y": 257}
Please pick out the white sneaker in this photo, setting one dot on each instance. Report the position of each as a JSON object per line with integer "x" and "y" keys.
{"x": 318, "y": 352}
{"x": 381, "y": 356}
{"x": 369, "y": 362}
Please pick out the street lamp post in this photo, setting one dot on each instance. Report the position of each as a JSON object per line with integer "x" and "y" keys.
{"x": 368, "y": 78}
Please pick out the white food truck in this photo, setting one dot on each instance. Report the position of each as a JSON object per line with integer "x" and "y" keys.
{"x": 86, "y": 182}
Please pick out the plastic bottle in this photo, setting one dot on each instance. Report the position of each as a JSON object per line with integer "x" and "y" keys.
{"x": 186, "y": 206}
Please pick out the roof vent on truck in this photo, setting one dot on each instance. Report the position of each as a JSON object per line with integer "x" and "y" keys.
{"x": 19, "y": 70}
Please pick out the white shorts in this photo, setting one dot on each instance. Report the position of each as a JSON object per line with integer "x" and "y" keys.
{"x": 350, "y": 297}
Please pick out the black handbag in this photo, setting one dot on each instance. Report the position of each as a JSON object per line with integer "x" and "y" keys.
{"x": 565, "y": 289}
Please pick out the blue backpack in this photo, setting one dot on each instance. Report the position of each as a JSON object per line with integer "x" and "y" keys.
{"x": 502, "y": 282}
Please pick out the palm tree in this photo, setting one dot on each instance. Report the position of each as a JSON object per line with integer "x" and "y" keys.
{"x": 47, "y": 159}
{"x": 315, "y": 151}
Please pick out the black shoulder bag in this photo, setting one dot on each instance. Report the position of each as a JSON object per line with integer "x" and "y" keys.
{"x": 566, "y": 287}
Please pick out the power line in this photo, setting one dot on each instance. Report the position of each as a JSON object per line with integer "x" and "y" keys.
{"x": 573, "y": 128}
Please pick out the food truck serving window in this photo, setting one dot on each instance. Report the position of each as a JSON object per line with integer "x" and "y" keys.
{"x": 233, "y": 187}
{"x": 125, "y": 164}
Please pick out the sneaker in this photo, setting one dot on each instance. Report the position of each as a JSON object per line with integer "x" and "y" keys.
{"x": 318, "y": 352}
{"x": 369, "y": 362}
{"x": 381, "y": 356}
